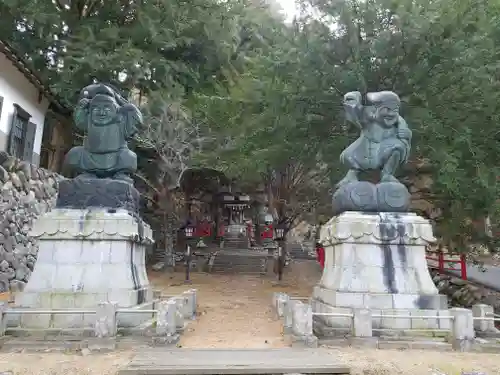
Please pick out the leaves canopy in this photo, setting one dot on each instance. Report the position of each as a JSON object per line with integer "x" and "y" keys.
{"x": 264, "y": 95}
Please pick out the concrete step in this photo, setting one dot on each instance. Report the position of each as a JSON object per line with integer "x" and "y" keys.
{"x": 234, "y": 361}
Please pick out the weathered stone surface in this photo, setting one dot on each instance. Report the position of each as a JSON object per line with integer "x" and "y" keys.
{"x": 365, "y": 196}
{"x": 26, "y": 192}
{"x": 82, "y": 193}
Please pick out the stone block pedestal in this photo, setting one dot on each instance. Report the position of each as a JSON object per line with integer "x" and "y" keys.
{"x": 377, "y": 261}
{"x": 87, "y": 256}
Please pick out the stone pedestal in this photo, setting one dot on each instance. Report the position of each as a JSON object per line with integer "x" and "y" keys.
{"x": 87, "y": 256}
{"x": 377, "y": 261}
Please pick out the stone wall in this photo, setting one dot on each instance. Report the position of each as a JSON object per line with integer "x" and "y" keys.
{"x": 26, "y": 192}
{"x": 462, "y": 293}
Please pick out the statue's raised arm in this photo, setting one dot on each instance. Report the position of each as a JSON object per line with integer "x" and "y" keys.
{"x": 81, "y": 114}
{"x": 353, "y": 107}
{"x": 131, "y": 119}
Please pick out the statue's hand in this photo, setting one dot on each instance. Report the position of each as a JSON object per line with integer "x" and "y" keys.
{"x": 84, "y": 103}
{"x": 404, "y": 133}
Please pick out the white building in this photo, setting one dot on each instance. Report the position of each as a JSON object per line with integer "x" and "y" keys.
{"x": 24, "y": 103}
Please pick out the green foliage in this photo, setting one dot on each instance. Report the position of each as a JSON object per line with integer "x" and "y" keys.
{"x": 439, "y": 56}
{"x": 264, "y": 96}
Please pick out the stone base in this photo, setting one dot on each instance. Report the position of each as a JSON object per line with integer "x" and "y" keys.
{"x": 82, "y": 193}
{"x": 365, "y": 196}
{"x": 377, "y": 262}
{"x": 86, "y": 257}
{"x": 377, "y": 254}
{"x": 331, "y": 326}
{"x": 309, "y": 341}
{"x": 380, "y": 300}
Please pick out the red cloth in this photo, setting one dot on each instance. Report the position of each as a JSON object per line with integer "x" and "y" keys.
{"x": 320, "y": 252}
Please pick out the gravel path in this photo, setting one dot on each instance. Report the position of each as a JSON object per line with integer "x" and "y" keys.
{"x": 235, "y": 312}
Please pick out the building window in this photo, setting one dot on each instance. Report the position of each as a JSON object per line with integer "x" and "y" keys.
{"x": 19, "y": 125}
{"x": 22, "y": 135}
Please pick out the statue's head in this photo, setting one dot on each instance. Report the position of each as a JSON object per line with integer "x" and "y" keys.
{"x": 385, "y": 107}
{"x": 103, "y": 109}
{"x": 352, "y": 104}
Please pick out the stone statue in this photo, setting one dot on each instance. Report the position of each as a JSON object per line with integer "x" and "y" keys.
{"x": 383, "y": 145}
{"x": 108, "y": 121}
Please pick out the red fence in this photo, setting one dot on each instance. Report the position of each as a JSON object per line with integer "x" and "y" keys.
{"x": 445, "y": 262}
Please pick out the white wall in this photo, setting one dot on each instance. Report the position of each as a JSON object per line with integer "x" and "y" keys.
{"x": 15, "y": 88}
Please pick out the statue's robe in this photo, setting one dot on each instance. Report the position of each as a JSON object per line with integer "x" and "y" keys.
{"x": 374, "y": 147}
{"x": 105, "y": 150}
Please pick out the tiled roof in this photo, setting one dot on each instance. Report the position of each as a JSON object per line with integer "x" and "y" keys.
{"x": 31, "y": 76}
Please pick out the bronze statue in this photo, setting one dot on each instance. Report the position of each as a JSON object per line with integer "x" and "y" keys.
{"x": 383, "y": 145}
{"x": 109, "y": 121}
{"x": 385, "y": 139}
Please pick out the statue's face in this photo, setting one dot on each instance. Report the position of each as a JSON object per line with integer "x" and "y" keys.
{"x": 103, "y": 113}
{"x": 388, "y": 115}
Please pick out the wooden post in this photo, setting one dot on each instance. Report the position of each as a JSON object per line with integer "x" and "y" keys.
{"x": 440, "y": 261}
{"x": 463, "y": 267}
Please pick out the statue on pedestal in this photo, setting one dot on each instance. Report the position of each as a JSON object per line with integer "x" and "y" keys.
{"x": 95, "y": 230}
{"x": 104, "y": 164}
{"x": 109, "y": 121}
{"x": 383, "y": 145}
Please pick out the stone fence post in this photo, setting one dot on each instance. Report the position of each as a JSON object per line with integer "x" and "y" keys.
{"x": 362, "y": 325}
{"x": 166, "y": 319}
{"x": 462, "y": 329}
{"x": 3, "y": 317}
{"x": 288, "y": 315}
{"x": 180, "y": 314}
{"x": 105, "y": 319}
{"x": 279, "y": 301}
{"x": 484, "y": 326}
{"x": 189, "y": 304}
{"x": 194, "y": 301}
{"x": 302, "y": 324}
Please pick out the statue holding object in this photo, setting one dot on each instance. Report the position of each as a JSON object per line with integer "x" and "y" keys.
{"x": 383, "y": 145}
{"x": 109, "y": 121}
{"x": 104, "y": 164}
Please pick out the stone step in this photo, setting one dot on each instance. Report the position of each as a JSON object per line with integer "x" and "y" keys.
{"x": 234, "y": 361}
{"x": 239, "y": 262}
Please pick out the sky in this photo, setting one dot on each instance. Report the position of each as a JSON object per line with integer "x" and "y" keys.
{"x": 289, "y": 8}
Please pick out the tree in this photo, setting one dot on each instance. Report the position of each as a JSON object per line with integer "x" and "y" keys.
{"x": 142, "y": 45}
{"x": 285, "y": 111}
{"x": 165, "y": 146}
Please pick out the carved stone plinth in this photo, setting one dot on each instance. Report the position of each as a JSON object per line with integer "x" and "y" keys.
{"x": 87, "y": 257}
{"x": 368, "y": 197}
{"x": 376, "y": 261}
{"x": 82, "y": 193}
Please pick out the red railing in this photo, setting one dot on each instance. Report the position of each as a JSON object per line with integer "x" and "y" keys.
{"x": 443, "y": 262}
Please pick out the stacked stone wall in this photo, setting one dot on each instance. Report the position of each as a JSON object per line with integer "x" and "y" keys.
{"x": 26, "y": 192}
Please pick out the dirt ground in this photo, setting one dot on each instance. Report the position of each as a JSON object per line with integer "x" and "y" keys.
{"x": 235, "y": 313}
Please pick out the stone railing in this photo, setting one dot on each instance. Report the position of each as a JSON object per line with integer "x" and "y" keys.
{"x": 460, "y": 328}
{"x": 169, "y": 317}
